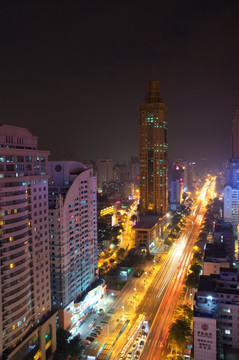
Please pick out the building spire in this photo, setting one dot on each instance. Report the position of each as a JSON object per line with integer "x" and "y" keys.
{"x": 153, "y": 72}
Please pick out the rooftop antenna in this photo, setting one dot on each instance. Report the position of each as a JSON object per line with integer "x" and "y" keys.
{"x": 153, "y": 72}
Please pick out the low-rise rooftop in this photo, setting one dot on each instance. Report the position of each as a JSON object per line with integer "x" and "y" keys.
{"x": 215, "y": 252}
{"x": 146, "y": 222}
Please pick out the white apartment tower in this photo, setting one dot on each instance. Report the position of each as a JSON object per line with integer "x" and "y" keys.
{"x": 25, "y": 301}
{"x": 73, "y": 233}
{"x": 105, "y": 171}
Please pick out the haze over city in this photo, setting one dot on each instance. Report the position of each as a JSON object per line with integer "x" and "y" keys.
{"x": 79, "y": 70}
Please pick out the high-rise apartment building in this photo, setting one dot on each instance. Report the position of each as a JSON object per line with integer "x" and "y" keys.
{"x": 232, "y": 173}
{"x": 105, "y": 171}
{"x": 176, "y": 186}
{"x": 235, "y": 135}
{"x": 26, "y": 324}
{"x": 191, "y": 173}
{"x": 231, "y": 193}
{"x": 134, "y": 168}
{"x": 215, "y": 320}
{"x": 153, "y": 153}
{"x": 73, "y": 234}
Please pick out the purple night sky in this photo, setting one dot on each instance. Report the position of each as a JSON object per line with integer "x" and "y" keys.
{"x": 74, "y": 74}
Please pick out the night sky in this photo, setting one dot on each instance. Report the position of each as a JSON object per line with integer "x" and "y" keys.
{"x": 75, "y": 72}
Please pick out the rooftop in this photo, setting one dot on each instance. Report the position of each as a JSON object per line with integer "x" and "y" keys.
{"x": 147, "y": 222}
{"x": 222, "y": 226}
{"x": 214, "y": 252}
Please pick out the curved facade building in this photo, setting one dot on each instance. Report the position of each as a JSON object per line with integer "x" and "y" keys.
{"x": 73, "y": 234}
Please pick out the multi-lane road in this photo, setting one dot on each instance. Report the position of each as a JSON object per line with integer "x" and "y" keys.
{"x": 154, "y": 296}
{"x": 163, "y": 295}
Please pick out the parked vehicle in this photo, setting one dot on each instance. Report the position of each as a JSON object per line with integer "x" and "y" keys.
{"x": 90, "y": 338}
{"x": 137, "y": 354}
{"x": 93, "y": 334}
{"x": 84, "y": 342}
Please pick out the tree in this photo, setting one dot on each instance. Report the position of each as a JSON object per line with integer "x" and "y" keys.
{"x": 192, "y": 280}
{"x": 115, "y": 241}
{"x": 197, "y": 257}
{"x": 74, "y": 345}
{"x": 184, "y": 312}
{"x": 121, "y": 252}
{"x": 175, "y": 357}
{"x": 200, "y": 244}
{"x": 168, "y": 241}
{"x": 62, "y": 340}
{"x": 202, "y": 236}
{"x": 196, "y": 268}
{"x": 179, "y": 333}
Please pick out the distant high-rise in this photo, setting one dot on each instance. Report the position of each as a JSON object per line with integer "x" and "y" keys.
{"x": 191, "y": 175}
{"x": 26, "y": 325}
{"x": 105, "y": 171}
{"x": 153, "y": 153}
{"x": 231, "y": 193}
{"x": 235, "y": 135}
{"x": 134, "y": 168}
{"x": 176, "y": 186}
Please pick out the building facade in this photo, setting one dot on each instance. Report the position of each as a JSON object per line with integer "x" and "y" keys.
{"x": 176, "y": 186}
{"x": 215, "y": 257}
{"x": 231, "y": 204}
{"x": 105, "y": 171}
{"x": 223, "y": 234}
{"x": 235, "y": 135}
{"x": 153, "y": 153}
{"x": 25, "y": 300}
{"x": 215, "y": 320}
{"x": 148, "y": 232}
{"x": 73, "y": 234}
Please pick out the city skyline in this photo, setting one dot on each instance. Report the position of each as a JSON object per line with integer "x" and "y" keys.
{"x": 64, "y": 72}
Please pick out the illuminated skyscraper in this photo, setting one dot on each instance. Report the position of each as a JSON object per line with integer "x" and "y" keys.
{"x": 153, "y": 153}
{"x": 27, "y": 326}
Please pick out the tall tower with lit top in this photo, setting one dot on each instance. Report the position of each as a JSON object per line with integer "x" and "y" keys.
{"x": 153, "y": 153}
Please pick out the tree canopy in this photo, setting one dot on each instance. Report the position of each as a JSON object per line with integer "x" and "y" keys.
{"x": 179, "y": 333}
{"x": 192, "y": 280}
